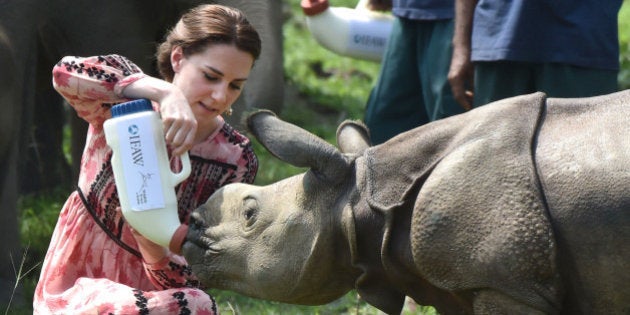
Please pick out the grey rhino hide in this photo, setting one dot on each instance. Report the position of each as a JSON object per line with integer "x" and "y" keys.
{"x": 519, "y": 206}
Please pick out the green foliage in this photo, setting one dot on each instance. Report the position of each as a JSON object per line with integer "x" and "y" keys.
{"x": 624, "y": 45}
{"x": 336, "y": 83}
{"x": 37, "y": 217}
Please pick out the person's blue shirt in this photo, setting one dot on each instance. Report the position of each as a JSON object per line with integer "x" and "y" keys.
{"x": 581, "y": 33}
{"x": 424, "y": 9}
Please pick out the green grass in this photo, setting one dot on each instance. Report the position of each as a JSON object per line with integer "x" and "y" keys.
{"x": 323, "y": 98}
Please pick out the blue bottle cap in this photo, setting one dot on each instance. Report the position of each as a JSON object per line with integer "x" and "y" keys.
{"x": 131, "y": 107}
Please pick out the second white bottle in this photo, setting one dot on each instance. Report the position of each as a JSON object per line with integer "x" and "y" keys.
{"x": 357, "y": 33}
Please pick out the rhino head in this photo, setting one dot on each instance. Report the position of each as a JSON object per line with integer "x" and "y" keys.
{"x": 290, "y": 241}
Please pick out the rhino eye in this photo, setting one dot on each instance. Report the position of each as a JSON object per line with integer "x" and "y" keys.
{"x": 250, "y": 210}
{"x": 249, "y": 214}
{"x": 250, "y": 217}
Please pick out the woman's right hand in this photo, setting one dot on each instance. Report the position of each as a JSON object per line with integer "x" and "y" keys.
{"x": 180, "y": 125}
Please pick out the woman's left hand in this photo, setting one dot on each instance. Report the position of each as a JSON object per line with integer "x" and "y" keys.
{"x": 151, "y": 252}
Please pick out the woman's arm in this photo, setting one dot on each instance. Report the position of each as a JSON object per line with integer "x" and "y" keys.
{"x": 172, "y": 271}
{"x": 165, "y": 269}
{"x": 92, "y": 84}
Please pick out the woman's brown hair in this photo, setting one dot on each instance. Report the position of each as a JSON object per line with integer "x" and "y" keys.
{"x": 207, "y": 25}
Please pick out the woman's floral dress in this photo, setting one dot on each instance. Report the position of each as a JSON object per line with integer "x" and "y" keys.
{"x": 93, "y": 265}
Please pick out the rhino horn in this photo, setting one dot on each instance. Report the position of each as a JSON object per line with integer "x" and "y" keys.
{"x": 297, "y": 146}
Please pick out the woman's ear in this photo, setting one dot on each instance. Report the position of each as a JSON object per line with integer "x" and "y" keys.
{"x": 177, "y": 55}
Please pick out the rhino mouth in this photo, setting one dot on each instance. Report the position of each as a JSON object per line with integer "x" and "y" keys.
{"x": 208, "y": 248}
{"x": 197, "y": 238}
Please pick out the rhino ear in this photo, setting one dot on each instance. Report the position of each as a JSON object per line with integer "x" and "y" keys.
{"x": 353, "y": 137}
{"x": 296, "y": 146}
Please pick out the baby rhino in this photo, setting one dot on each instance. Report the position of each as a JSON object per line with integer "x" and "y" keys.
{"x": 521, "y": 206}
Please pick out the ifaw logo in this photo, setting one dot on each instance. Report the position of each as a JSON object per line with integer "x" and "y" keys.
{"x": 133, "y": 129}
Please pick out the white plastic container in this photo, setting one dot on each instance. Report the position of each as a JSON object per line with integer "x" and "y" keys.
{"x": 357, "y": 33}
{"x": 144, "y": 179}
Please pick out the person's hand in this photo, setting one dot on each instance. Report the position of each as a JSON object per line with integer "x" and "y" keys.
{"x": 379, "y": 5}
{"x": 461, "y": 78}
{"x": 151, "y": 252}
{"x": 180, "y": 125}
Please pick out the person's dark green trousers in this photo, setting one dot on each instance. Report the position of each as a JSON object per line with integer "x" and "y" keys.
{"x": 412, "y": 88}
{"x": 503, "y": 79}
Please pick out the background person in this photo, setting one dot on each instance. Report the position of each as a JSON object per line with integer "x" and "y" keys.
{"x": 563, "y": 48}
{"x": 412, "y": 88}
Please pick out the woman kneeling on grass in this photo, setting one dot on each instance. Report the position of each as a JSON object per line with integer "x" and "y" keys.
{"x": 96, "y": 263}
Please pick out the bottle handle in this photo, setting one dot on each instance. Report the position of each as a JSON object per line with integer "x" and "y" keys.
{"x": 185, "y": 171}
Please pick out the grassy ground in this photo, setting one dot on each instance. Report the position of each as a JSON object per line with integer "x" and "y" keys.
{"x": 323, "y": 89}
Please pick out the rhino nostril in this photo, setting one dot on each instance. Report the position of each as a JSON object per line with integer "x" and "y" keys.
{"x": 196, "y": 221}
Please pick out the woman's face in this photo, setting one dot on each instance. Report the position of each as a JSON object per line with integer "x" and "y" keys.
{"x": 211, "y": 79}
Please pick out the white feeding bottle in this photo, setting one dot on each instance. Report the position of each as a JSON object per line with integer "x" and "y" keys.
{"x": 144, "y": 180}
{"x": 357, "y": 33}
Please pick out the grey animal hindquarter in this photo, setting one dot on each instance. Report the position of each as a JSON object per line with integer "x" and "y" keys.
{"x": 528, "y": 196}
{"x": 583, "y": 159}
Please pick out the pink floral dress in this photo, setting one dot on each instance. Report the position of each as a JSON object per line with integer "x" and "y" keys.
{"x": 93, "y": 265}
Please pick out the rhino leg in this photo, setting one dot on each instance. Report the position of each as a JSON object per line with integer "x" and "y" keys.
{"x": 495, "y": 302}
